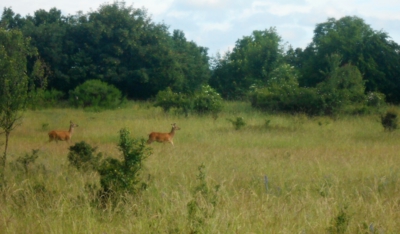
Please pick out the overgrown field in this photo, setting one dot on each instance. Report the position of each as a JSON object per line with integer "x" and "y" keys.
{"x": 277, "y": 174}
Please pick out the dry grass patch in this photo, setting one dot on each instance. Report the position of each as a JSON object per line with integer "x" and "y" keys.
{"x": 323, "y": 175}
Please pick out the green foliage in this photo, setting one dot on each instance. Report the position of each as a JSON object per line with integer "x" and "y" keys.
{"x": 390, "y": 120}
{"x": 207, "y": 100}
{"x": 116, "y": 43}
{"x": 252, "y": 61}
{"x": 168, "y": 100}
{"x": 204, "y": 101}
{"x": 193, "y": 63}
{"x": 45, "y": 98}
{"x": 95, "y": 94}
{"x": 238, "y": 123}
{"x": 343, "y": 86}
{"x": 287, "y": 99}
{"x": 81, "y": 155}
{"x": 376, "y": 99}
{"x": 371, "y": 51}
{"x": 203, "y": 204}
{"x": 28, "y": 159}
{"x": 14, "y": 81}
{"x": 119, "y": 176}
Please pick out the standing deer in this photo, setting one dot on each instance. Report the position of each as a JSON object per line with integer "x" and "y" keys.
{"x": 62, "y": 135}
{"x": 163, "y": 137}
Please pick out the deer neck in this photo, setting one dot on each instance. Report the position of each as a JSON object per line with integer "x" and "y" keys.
{"x": 71, "y": 129}
{"x": 172, "y": 133}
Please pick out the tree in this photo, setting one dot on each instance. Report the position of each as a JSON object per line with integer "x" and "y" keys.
{"x": 342, "y": 86}
{"x": 14, "y": 83}
{"x": 250, "y": 62}
{"x": 372, "y": 52}
{"x": 192, "y": 63}
{"x": 117, "y": 44}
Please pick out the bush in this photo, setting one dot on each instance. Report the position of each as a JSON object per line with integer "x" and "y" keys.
{"x": 342, "y": 87}
{"x": 118, "y": 176}
{"x": 207, "y": 101}
{"x": 44, "y": 98}
{"x": 95, "y": 94}
{"x": 81, "y": 155}
{"x": 52, "y": 97}
{"x": 204, "y": 101}
{"x": 238, "y": 123}
{"x": 168, "y": 100}
{"x": 390, "y": 120}
{"x": 285, "y": 99}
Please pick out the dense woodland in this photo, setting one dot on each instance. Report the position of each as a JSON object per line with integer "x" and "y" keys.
{"x": 122, "y": 46}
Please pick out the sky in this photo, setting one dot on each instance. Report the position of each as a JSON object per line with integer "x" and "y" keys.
{"x": 218, "y": 24}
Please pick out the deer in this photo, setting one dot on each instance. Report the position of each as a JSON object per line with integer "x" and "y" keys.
{"x": 163, "y": 137}
{"x": 62, "y": 135}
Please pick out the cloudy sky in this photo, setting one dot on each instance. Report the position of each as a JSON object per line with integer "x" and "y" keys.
{"x": 218, "y": 24}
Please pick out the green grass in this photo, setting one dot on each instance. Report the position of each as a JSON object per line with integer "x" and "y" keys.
{"x": 324, "y": 175}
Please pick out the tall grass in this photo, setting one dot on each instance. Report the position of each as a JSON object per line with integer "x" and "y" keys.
{"x": 323, "y": 175}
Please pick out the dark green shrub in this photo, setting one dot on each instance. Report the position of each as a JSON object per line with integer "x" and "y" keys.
{"x": 95, "y": 94}
{"x": 118, "y": 176}
{"x": 204, "y": 101}
{"x": 390, "y": 120}
{"x": 168, "y": 100}
{"x": 82, "y": 156}
{"x": 52, "y": 97}
{"x": 287, "y": 99}
{"x": 238, "y": 123}
{"x": 44, "y": 98}
{"x": 343, "y": 86}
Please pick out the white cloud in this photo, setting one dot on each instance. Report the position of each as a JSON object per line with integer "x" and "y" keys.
{"x": 206, "y": 3}
{"x": 223, "y": 27}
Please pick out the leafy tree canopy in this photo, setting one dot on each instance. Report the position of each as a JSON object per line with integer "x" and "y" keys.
{"x": 372, "y": 52}
{"x": 251, "y": 62}
{"x": 117, "y": 44}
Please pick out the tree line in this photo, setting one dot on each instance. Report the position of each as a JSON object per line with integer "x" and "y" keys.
{"x": 122, "y": 46}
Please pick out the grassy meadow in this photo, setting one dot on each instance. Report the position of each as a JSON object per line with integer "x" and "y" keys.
{"x": 278, "y": 174}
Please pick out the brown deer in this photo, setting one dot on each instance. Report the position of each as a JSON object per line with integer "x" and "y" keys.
{"x": 163, "y": 137}
{"x": 62, "y": 135}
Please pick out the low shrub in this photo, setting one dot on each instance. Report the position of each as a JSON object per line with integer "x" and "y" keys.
{"x": 390, "y": 120}
{"x": 44, "y": 98}
{"x": 82, "y": 156}
{"x": 238, "y": 123}
{"x": 207, "y": 101}
{"x": 119, "y": 176}
{"x": 204, "y": 101}
{"x": 95, "y": 94}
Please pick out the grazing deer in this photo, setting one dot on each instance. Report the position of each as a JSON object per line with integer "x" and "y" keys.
{"x": 62, "y": 135}
{"x": 163, "y": 137}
